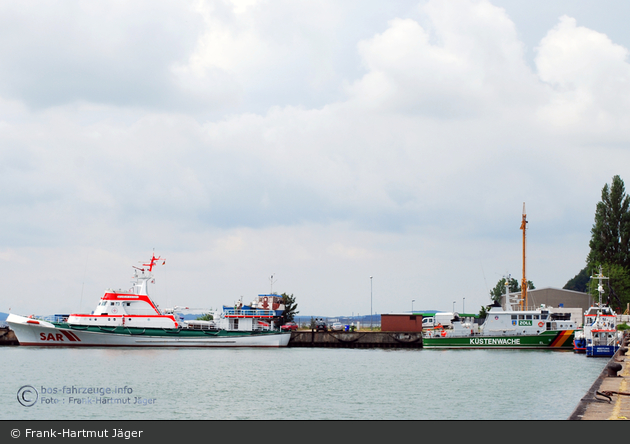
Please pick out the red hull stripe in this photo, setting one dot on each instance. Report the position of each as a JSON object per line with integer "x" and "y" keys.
{"x": 71, "y": 336}
{"x": 75, "y": 336}
{"x": 561, "y": 338}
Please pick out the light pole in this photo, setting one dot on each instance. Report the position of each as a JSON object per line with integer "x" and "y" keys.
{"x": 370, "y": 302}
{"x": 453, "y": 306}
{"x": 463, "y": 305}
{"x": 412, "y": 301}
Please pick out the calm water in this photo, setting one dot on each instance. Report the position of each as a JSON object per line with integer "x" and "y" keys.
{"x": 295, "y": 383}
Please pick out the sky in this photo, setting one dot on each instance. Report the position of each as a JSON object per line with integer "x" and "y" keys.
{"x": 364, "y": 156}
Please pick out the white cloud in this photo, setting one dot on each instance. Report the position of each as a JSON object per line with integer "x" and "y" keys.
{"x": 590, "y": 77}
{"x": 468, "y": 62}
{"x": 320, "y": 142}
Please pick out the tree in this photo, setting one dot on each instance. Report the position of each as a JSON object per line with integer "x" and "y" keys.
{"x": 483, "y": 312}
{"x": 579, "y": 281}
{"x": 610, "y": 234}
{"x": 206, "y": 317}
{"x": 515, "y": 287}
{"x": 290, "y": 308}
{"x": 610, "y": 243}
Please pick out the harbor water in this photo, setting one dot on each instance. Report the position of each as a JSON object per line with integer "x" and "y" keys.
{"x": 292, "y": 383}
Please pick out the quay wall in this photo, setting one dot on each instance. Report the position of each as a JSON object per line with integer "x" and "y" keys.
{"x": 359, "y": 339}
{"x": 608, "y": 397}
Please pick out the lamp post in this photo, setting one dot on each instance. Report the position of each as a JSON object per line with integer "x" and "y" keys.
{"x": 412, "y": 301}
{"x": 370, "y": 302}
{"x": 453, "y": 306}
{"x": 463, "y": 305}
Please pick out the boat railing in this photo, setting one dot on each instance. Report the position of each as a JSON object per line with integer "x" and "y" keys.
{"x": 530, "y": 308}
{"x": 234, "y": 312}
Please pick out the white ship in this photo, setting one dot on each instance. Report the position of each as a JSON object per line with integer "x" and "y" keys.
{"x": 132, "y": 319}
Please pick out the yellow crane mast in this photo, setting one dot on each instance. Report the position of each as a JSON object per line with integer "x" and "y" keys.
{"x": 524, "y": 281}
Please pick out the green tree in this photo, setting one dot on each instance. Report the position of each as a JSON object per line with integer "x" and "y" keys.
{"x": 290, "y": 308}
{"x": 579, "y": 281}
{"x": 515, "y": 287}
{"x": 610, "y": 244}
{"x": 610, "y": 234}
{"x": 206, "y": 317}
{"x": 483, "y": 312}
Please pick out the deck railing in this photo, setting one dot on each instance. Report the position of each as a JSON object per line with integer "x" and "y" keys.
{"x": 232, "y": 312}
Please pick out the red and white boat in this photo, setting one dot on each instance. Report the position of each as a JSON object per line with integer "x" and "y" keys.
{"x": 132, "y": 319}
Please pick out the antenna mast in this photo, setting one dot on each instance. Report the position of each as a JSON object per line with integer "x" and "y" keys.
{"x": 524, "y": 281}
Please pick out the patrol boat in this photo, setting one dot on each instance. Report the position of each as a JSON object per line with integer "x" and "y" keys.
{"x": 132, "y": 319}
{"x": 506, "y": 328}
{"x": 600, "y": 336}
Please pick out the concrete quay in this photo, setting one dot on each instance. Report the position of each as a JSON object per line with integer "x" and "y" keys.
{"x": 358, "y": 339}
{"x": 609, "y": 396}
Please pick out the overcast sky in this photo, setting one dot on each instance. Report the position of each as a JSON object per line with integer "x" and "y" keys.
{"x": 321, "y": 142}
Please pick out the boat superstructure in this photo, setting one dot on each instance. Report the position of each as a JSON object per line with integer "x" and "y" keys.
{"x": 132, "y": 318}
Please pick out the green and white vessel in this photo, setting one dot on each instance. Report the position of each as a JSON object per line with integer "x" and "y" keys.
{"x": 536, "y": 328}
{"x": 506, "y": 327}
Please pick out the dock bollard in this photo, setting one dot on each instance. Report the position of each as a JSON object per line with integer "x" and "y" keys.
{"x": 613, "y": 368}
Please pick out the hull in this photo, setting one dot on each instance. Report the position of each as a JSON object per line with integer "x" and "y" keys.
{"x": 579, "y": 346}
{"x": 556, "y": 340}
{"x": 601, "y": 350}
{"x": 63, "y": 335}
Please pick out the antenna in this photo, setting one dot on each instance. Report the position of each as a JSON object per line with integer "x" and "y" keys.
{"x": 272, "y": 282}
{"x": 524, "y": 281}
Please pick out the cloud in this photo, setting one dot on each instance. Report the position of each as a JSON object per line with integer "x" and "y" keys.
{"x": 466, "y": 61}
{"x": 589, "y": 76}
{"x": 321, "y": 142}
{"x": 104, "y": 52}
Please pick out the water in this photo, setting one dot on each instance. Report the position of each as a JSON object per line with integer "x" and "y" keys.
{"x": 295, "y": 383}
